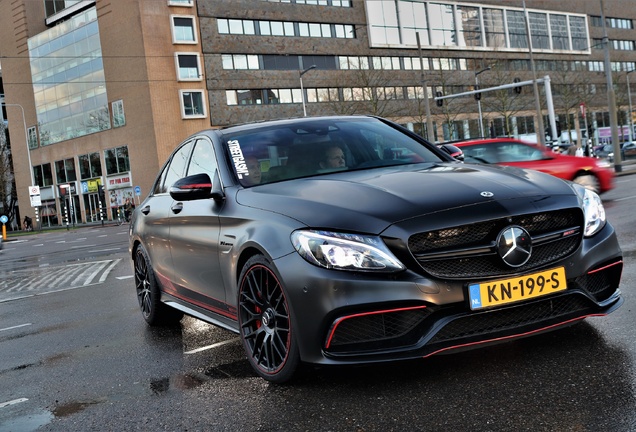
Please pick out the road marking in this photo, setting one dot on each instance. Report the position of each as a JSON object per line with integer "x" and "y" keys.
{"x": 125, "y": 277}
{"x": 216, "y": 345}
{"x": 103, "y": 250}
{"x": 26, "y": 283}
{"x": 110, "y": 267}
{"x": 13, "y": 402}
{"x": 15, "y": 327}
{"x": 623, "y": 199}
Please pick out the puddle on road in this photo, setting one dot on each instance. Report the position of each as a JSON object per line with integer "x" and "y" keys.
{"x": 70, "y": 408}
{"x": 28, "y": 423}
{"x": 180, "y": 382}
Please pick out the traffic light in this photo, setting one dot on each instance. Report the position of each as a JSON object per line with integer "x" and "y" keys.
{"x": 102, "y": 195}
{"x": 477, "y": 95}
{"x": 439, "y": 102}
{"x": 517, "y": 88}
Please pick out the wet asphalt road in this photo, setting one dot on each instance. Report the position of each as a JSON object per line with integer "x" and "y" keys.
{"x": 82, "y": 359}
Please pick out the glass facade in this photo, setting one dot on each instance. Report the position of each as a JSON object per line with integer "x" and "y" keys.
{"x": 68, "y": 79}
{"x": 395, "y": 23}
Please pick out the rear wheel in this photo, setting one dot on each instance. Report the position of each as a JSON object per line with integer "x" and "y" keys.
{"x": 588, "y": 181}
{"x": 265, "y": 322}
{"x": 153, "y": 310}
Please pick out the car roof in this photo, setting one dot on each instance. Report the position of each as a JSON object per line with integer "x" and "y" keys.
{"x": 489, "y": 141}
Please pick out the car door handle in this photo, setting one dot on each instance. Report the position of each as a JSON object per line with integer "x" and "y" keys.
{"x": 145, "y": 210}
{"x": 176, "y": 208}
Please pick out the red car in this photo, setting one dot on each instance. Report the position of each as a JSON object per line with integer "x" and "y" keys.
{"x": 594, "y": 174}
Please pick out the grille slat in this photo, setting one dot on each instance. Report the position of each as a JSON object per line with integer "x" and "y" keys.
{"x": 481, "y": 236}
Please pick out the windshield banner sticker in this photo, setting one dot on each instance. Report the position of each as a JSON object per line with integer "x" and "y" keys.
{"x": 239, "y": 160}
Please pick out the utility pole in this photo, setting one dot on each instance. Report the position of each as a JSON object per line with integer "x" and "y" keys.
{"x": 535, "y": 87}
{"x": 611, "y": 98}
{"x": 427, "y": 106}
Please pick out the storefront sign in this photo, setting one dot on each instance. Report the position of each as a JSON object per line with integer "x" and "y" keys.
{"x": 118, "y": 181}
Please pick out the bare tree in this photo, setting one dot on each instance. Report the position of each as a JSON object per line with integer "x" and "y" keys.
{"x": 570, "y": 89}
{"x": 8, "y": 194}
{"x": 366, "y": 91}
{"x": 506, "y": 103}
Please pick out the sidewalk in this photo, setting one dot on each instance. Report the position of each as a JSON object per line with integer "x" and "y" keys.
{"x": 627, "y": 167}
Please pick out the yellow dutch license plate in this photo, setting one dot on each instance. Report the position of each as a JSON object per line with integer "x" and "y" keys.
{"x": 504, "y": 291}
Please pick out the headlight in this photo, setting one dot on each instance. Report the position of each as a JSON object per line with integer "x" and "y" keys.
{"x": 593, "y": 210}
{"x": 345, "y": 251}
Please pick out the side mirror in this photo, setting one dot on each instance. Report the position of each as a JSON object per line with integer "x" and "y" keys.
{"x": 194, "y": 187}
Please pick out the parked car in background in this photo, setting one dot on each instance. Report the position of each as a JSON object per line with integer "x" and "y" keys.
{"x": 592, "y": 173}
{"x": 605, "y": 151}
{"x": 349, "y": 239}
{"x": 628, "y": 151}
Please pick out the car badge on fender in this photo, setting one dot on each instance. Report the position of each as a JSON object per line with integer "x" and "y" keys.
{"x": 514, "y": 246}
{"x": 487, "y": 194}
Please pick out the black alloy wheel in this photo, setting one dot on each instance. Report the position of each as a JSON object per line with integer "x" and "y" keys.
{"x": 152, "y": 309}
{"x": 265, "y": 322}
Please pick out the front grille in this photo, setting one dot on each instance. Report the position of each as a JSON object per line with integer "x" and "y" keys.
{"x": 387, "y": 329}
{"x": 468, "y": 251}
{"x": 500, "y": 320}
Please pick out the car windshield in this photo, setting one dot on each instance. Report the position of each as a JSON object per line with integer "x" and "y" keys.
{"x": 289, "y": 150}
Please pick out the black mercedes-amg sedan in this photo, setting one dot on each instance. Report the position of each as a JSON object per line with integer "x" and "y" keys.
{"x": 350, "y": 239}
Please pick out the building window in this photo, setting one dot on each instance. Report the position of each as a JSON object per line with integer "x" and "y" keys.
{"x": 69, "y": 91}
{"x": 119, "y": 118}
{"x": 42, "y": 175}
{"x": 539, "y": 30}
{"x": 65, "y": 171}
{"x": 494, "y": 28}
{"x": 90, "y": 166}
{"x": 188, "y": 67}
{"x": 578, "y": 31}
{"x": 620, "y": 23}
{"x": 192, "y": 104}
{"x": 559, "y": 30}
{"x": 517, "y": 29}
{"x": 116, "y": 160}
{"x": 183, "y": 29}
{"x": 32, "y": 137}
{"x": 285, "y": 28}
{"x": 337, "y": 3}
{"x": 187, "y": 3}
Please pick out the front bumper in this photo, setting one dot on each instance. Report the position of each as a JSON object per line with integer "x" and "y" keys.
{"x": 342, "y": 317}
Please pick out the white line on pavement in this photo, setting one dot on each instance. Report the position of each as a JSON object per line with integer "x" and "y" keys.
{"x": 216, "y": 345}
{"x": 12, "y": 402}
{"x": 15, "y": 327}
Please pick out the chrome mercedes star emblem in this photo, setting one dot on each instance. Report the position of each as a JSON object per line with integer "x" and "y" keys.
{"x": 487, "y": 194}
{"x": 514, "y": 246}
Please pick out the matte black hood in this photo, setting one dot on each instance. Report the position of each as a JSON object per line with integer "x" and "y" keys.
{"x": 370, "y": 200}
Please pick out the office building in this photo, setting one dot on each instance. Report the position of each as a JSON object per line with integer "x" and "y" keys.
{"x": 109, "y": 88}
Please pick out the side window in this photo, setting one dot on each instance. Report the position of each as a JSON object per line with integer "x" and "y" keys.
{"x": 203, "y": 160}
{"x": 158, "y": 187}
{"x": 176, "y": 168}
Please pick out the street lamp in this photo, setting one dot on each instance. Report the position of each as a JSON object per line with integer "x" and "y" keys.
{"x": 302, "y": 91}
{"x": 26, "y": 137}
{"x": 481, "y": 122}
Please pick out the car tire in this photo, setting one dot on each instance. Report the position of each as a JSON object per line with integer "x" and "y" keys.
{"x": 153, "y": 310}
{"x": 588, "y": 181}
{"x": 265, "y": 322}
